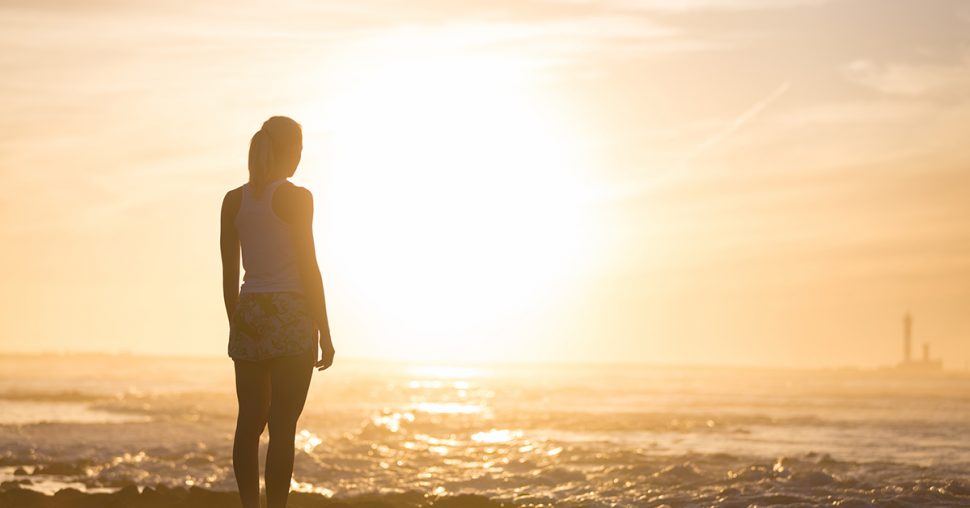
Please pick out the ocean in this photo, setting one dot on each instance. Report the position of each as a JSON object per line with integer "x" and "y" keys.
{"x": 535, "y": 435}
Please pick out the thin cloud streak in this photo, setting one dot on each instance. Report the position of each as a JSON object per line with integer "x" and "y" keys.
{"x": 678, "y": 168}
{"x": 741, "y": 120}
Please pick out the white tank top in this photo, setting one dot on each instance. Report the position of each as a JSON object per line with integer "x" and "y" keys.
{"x": 268, "y": 252}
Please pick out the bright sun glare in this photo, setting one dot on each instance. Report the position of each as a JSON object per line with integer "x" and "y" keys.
{"x": 457, "y": 197}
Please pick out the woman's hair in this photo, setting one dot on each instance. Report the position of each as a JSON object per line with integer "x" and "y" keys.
{"x": 274, "y": 151}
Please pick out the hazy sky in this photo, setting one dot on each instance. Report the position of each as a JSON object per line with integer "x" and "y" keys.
{"x": 757, "y": 182}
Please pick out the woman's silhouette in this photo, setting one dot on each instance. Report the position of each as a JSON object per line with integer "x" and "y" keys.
{"x": 278, "y": 318}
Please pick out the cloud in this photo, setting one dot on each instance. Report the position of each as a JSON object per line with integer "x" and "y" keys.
{"x": 715, "y": 5}
{"x": 910, "y": 79}
{"x": 881, "y": 111}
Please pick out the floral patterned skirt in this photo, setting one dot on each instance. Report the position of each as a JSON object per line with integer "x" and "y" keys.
{"x": 269, "y": 325}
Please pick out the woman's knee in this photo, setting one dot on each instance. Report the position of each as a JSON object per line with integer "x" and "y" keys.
{"x": 250, "y": 426}
{"x": 282, "y": 425}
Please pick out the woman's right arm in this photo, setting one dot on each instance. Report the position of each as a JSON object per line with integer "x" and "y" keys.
{"x": 301, "y": 215}
{"x": 229, "y": 245}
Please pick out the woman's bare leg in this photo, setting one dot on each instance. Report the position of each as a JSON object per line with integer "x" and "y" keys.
{"x": 253, "y": 394}
{"x": 290, "y": 380}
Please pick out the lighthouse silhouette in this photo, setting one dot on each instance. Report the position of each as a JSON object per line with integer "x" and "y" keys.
{"x": 907, "y": 338}
{"x": 908, "y": 364}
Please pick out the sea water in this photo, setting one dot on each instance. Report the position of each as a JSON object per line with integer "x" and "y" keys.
{"x": 561, "y": 435}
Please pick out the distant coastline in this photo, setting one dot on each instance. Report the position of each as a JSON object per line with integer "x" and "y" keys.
{"x": 883, "y": 369}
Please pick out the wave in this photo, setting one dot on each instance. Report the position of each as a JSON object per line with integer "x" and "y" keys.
{"x": 52, "y": 396}
{"x": 582, "y": 478}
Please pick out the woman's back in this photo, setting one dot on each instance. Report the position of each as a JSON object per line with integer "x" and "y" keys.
{"x": 268, "y": 250}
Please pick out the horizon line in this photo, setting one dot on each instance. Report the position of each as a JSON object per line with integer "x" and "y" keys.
{"x": 479, "y": 364}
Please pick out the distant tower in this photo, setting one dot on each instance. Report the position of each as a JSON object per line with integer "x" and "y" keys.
{"x": 907, "y": 338}
{"x": 926, "y": 352}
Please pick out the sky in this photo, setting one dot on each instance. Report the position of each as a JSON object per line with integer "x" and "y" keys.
{"x": 716, "y": 182}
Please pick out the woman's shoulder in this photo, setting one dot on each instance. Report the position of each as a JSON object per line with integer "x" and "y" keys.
{"x": 231, "y": 204}
{"x": 237, "y": 192}
{"x": 292, "y": 194}
{"x": 233, "y": 197}
{"x": 290, "y": 201}
{"x": 292, "y": 190}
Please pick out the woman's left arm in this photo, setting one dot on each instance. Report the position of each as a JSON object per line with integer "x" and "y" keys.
{"x": 229, "y": 245}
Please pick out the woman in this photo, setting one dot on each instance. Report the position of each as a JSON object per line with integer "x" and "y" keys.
{"x": 278, "y": 319}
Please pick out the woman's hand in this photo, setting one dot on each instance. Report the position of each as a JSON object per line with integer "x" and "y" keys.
{"x": 326, "y": 351}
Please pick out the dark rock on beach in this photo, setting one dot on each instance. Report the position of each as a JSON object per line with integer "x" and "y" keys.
{"x": 61, "y": 469}
{"x": 165, "y": 497}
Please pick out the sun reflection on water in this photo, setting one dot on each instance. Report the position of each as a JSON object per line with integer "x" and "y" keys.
{"x": 448, "y": 408}
{"x": 440, "y": 433}
{"x": 307, "y": 441}
{"x": 392, "y": 420}
{"x": 496, "y": 436}
{"x": 308, "y": 487}
{"x": 446, "y": 372}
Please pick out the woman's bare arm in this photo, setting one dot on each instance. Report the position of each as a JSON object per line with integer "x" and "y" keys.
{"x": 229, "y": 245}
{"x": 297, "y": 208}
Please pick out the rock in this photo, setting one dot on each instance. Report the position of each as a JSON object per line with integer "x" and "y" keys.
{"x": 128, "y": 493}
{"x": 69, "y": 493}
{"x": 23, "y": 498}
{"x": 61, "y": 469}
{"x": 202, "y": 498}
{"x": 465, "y": 501}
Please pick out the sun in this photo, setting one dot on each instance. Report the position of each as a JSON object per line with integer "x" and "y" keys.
{"x": 455, "y": 202}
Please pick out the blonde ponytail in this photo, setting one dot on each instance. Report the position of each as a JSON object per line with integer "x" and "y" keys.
{"x": 260, "y": 160}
